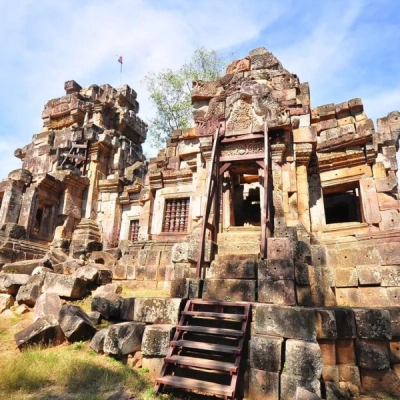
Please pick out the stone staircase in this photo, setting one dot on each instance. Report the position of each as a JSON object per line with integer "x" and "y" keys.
{"x": 206, "y": 352}
{"x": 232, "y": 276}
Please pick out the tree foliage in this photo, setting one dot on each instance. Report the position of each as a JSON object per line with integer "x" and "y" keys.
{"x": 169, "y": 92}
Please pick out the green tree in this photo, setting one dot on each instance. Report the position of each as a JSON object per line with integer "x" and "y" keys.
{"x": 169, "y": 92}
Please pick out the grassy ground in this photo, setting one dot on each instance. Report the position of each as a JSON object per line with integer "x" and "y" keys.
{"x": 69, "y": 371}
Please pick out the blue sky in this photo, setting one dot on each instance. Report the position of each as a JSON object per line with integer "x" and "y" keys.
{"x": 344, "y": 49}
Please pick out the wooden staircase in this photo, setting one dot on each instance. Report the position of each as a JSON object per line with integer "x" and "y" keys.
{"x": 206, "y": 351}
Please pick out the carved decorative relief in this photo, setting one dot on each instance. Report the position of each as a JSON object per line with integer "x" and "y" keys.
{"x": 243, "y": 148}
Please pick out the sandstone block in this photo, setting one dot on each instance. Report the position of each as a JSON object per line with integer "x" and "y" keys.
{"x": 108, "y": 305}
{"x": 394, "y": 320}
{"x": 120, "y": 271}
{"x": 304, "y": 394}
{"x": 394, "y": 351}
{"x": 153, "y": 364}
{"x": 304, "y": 297}
{"x": 229, "y": 289}
{"x": 372, "y": 354}
{"x": 67, "y": 267}
{"x": 263, "y": 385}
{"x": 369, "y": 274}
{"x": 303, "y": 358}
{"x": 330, "y": 373}
{"x": 47, "y": 304}
{"x": 65, "y": 286}
{"x": 345, "y": 352}
{"x": 29, "y": 293}
{"x": 374, "y": 297}
{"x": 44, "y": 331}
{"x": 22, "y": 267}
{"x": 381, "y": 383}
{"x": 325, "y": 324}
{"x": 372, "y": 324}
{"x": 318, "y": 255}
{"x": 157, "y": 311}
{"x": 350, "y": 373}
{"x": 390, "y": 275}
{"x": 265, "y": 353}
{"x": 97, "y": 342}
{"x": 89, "y": 273}
{"x": 124, "y": 338}
{"x": 105, "y": 274}
{"x": 279, "y": 248}
{"x": 346, "y": 277}
{"x": 276, "y": 292}
{"x": 156, "y": 340}
{"x": 114, "y": 288}
{"x": 275, "y": 269}
{"x": 301, "y": 274}
{"x": 10, "y": 283}
{"x": 95, "y": 317}
{"x": 345, "y": 323}
{"x": 127, "y": 309}
{"x": 288, "y": 322}
{"x": 307, "y": 134}
{"x": 75, "y": 323}
{"x": 236, "y": 269}
{"x": 328, "y": 351}
{"x": 290, "y": 383}
{"x": 6, "y": 302}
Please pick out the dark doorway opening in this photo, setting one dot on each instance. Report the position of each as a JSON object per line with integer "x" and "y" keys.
{"x": 247, "y": 205}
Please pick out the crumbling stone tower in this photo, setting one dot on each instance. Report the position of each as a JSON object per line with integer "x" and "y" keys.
{"x": 72, "y": 173}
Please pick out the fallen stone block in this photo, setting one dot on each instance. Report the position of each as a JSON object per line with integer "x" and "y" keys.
{"x": 266, "y": 353}
{"x": 10, "y": 283}
{"x": 41, "y": 270}
{"x": 263, "y": 384}
{"x": 124, "y": 338}
{"x": 22, "y": 267}
{"x": 303, "y": 358}
{"x": 105, "y": 274}
{"x": 67, "y": 267}
{"x": 108, "y": 306}
{"x": 65, "y": 286}
{"x": 47, "y": 304}
{"x": 30, "y": 292}
{"x": 290, "y": 383}
{"x": 95, "y": 317}
{"x": 372, "y": 354}
{"x": 44, "y": 331}
{"x": 97, "y": 342}
{"x": 6, "y": 302}
{"x": 157, "y": 311}
{"x": 372, "y": 324}
{"x": 114, "y": 288}
{"x": 350, "y": 373}
{"x": 127, "y": 310}
{"x": 75, "y": 323}
{"x": 89, "y": 273}
{"x": 287, "y": 322}
{"x": 156, "y": 339}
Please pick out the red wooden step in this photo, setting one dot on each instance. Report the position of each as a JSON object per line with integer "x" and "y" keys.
{"x": 202, "y": 363}
{"x": 188, "y": 383}
{"x": 206, "y": 346}
{"x": 238, "y": 317}
{"x": 212, "y": 331}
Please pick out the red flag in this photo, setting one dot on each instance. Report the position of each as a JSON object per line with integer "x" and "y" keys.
{"x": 120, "y": 59}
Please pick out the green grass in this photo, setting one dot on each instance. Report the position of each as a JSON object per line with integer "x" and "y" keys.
{"x": 70, "y": 370}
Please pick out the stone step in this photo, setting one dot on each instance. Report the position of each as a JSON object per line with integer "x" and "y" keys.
{"x": 233, "y": 268}
{"x": 229, "y": 289}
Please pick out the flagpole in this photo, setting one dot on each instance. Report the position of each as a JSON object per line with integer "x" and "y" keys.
{"x": 120, "y": 76}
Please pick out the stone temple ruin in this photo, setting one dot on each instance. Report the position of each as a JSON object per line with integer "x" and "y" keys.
{"x": 286, "y": 212}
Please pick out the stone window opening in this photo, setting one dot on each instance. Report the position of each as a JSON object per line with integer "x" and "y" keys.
{"x": 134, "y": 230}
{"x": 176, "y": 215}
{"x": 342, "y": 205}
